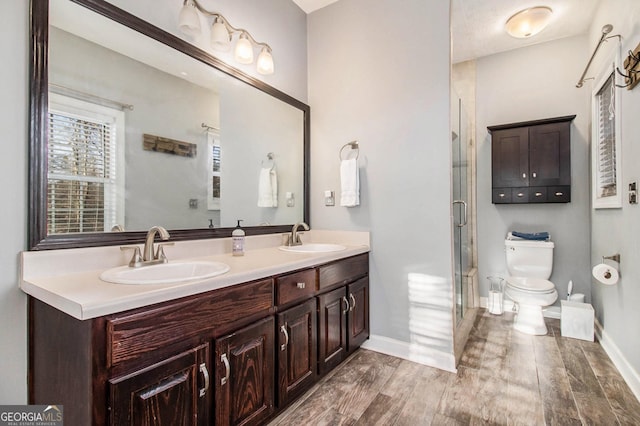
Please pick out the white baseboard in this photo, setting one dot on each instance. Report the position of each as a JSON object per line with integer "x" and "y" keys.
{"x": 412, "y": 352}
{"x": 628, "y": 373}
{"x": 507, "y": 306}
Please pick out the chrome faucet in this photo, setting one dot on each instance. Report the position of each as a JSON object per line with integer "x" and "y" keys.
{"x": 294, "y": 239}
{"x": 147, "y": 252}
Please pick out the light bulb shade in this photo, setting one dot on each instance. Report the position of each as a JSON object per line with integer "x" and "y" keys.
{"x": 265, "y": 62}
{"x": 188, "y": 20}
{"x": 244, "y": 50}
{"x": 220, "y": 37}
{"x": 528, "y": 22}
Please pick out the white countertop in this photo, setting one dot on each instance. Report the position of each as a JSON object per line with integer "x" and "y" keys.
{"x": 69, "y": 279}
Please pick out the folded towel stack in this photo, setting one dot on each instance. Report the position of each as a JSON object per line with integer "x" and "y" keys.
{"x": 537, "y": 236}
{"x": 268, "y": 188}
{"x": 349, "y": 183}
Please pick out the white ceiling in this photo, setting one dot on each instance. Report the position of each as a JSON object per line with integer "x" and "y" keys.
{"x": 477, "y": 26}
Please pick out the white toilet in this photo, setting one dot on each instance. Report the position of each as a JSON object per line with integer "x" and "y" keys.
{"x": 529, "y": 264}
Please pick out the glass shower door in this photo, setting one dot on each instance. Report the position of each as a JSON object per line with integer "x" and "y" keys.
{"x": 460, "y": 185}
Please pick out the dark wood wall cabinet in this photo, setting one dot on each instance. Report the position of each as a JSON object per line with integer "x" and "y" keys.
{"x": 531, "y": 161}
{"x": 233, "y": 356}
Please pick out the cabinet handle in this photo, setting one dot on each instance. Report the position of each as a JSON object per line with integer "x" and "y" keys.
{"x": 283, "y": 328}
{"x": 520, "y": 195}
{"x": 535, "y": 175}
{"x": 353, "y": 299}
{"x": 227, "y": 368}
{"x": 538, "y": 194}
{"x": 301, "y": 285}
{"x": 205, "y": 374}
{"x": 346, "y": 302}
{"x": 501, "y": 195}
{"x": 559, "y": 194}
{"x": 524, "y": 176}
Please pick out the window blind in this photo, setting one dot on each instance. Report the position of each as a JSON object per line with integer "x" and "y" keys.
{"x": 606, "y": 143}
{"x": 81, "y": 173}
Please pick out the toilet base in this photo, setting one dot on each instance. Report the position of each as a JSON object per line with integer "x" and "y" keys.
{"x": 530, "y": 320}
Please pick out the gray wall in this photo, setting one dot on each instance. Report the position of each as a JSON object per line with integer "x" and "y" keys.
{"x": 395, "y": 102}
{"x": 14, "y": 45}
{"x": 253, "y": 124}
{"x": 279, "y": 22}
{"x": 618, "y": 230}
{"x": 526, "y": 84}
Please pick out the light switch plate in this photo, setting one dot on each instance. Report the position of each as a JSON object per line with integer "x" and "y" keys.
{"x": 329, "y": 198}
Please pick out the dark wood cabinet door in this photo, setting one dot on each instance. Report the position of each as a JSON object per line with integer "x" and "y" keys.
{"x": 173, "y": 392}
{"x": 333, "y": 308}
{"x": 358, "y": 319}
{"x": 244, "y": 381}
{"x": 510, "y": 158}
{"x": 550, "y": 154}
{"x": 297, "y": 350}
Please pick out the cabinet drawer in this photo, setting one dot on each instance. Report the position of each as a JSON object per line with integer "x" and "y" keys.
{"x": 519, "y": 195}
{"x": 538, "y": 194}
{"x": 501, "y": 195}
{"x": 343, "y": 271}
{"x": 559, "y": 194}
{"x": 296, "y": 286}
{"x": 151, "y": 331}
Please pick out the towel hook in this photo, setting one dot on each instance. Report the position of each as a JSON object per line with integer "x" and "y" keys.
{"x": 270, "y": 157}
{"x": 353, "y": 145}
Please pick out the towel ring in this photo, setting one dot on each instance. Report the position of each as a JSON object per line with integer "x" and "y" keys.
{"x": 270, "y": 157}
{"x": 353, "y": 145}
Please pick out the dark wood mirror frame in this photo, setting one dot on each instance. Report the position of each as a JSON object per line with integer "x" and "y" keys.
{"x": 38, "y": 114}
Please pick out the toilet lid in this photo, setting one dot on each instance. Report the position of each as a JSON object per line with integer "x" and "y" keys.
{"x": 530, "y": 284}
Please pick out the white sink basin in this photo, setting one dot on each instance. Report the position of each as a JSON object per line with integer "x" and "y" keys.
{"x": 313, "y": 248}
{"x": 172, "y": 272}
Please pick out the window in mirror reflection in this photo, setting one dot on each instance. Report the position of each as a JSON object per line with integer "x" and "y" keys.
{"x": 213, "y": 196}
{"x": 85, "y": 174}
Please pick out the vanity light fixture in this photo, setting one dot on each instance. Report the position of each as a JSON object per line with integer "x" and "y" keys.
{"x": 529, "y": 22}
{"x": 222, "y": 33}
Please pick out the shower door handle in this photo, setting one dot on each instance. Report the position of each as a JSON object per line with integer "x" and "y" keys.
{"x": 464, "y": 211}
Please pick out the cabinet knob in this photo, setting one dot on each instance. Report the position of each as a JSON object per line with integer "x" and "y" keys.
{"x": 559, "y": 194}
{"x": 524, "y": 176}
{"x": 301, "y": 285}
{"x": 520, "y": 195}
{"x": 501, "y": 195}
{"x": 538, "y": 194}
{"x": 535, "y": 175}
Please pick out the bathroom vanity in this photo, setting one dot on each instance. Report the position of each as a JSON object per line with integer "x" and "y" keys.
{"x": 235, "y": 354}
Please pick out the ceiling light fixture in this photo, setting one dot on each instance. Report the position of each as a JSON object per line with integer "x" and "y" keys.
{"x": 528, "y": 22}
{"x": 222, "y": 35}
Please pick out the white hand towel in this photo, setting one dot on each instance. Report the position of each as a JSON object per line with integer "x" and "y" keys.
{"x": 349, "y": 183}
{"x": 268, "y": 188}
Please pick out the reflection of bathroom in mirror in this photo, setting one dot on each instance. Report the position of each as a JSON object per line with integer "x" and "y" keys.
{"x": 159, "y": 91}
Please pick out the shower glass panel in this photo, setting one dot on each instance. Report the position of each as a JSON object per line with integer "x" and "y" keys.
{"x": 460, "y": 185}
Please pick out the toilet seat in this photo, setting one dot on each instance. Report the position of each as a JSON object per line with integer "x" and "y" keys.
{"x": 531, "y": 285}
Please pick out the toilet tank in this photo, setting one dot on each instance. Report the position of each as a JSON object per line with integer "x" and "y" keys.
{"x": 527, "y": 258}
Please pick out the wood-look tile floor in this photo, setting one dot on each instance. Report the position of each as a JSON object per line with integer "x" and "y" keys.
{"x": 504, "y": 378}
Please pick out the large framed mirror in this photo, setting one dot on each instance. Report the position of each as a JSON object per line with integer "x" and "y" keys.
{"x": 133, "y": 127}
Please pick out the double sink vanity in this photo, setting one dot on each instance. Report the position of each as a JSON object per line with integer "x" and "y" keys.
{"x": 234, "y": 343}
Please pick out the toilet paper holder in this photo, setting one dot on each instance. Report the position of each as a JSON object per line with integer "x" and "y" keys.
{"x": 614, "y": 257}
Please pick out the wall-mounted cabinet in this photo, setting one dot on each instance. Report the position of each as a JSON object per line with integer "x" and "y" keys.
{"x": 531, "y": 161}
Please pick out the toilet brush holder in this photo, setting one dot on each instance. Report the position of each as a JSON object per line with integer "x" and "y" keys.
{"x": 496, "y": 295}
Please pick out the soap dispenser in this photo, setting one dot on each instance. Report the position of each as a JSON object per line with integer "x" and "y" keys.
{"x": 237, "y": 240}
